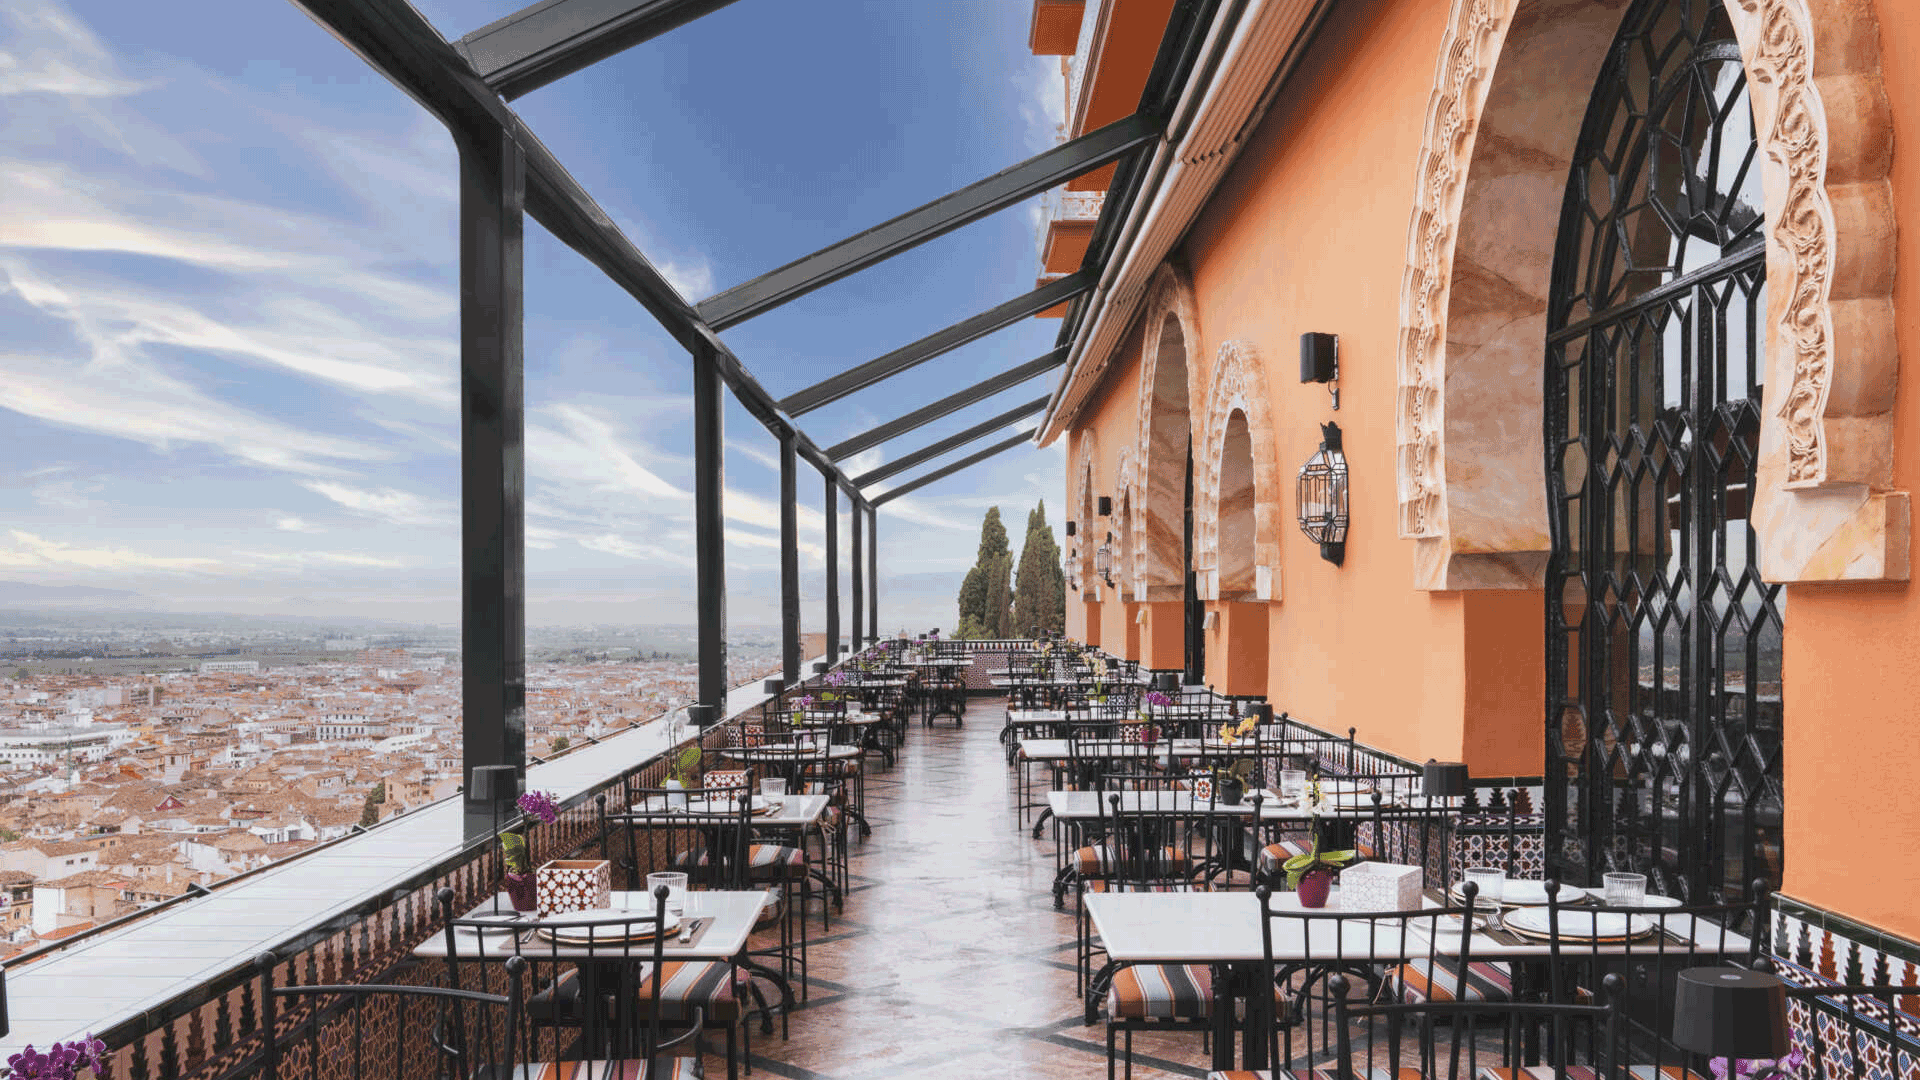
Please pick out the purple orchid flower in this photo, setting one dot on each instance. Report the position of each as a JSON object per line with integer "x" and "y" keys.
{"x": 61, "y": 1061}
{"x": 1155, "y": 697}
{"x": 540, "y": 806}
{"x": 1792, "y": 1064}
{"x": 804, "y": 701}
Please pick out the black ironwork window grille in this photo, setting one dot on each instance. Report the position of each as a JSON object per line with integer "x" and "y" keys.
{"x": 1663, "y": 641}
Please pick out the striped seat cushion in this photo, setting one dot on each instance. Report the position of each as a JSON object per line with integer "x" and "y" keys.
{"x": 690, "y": 984}
{"x": 679, "y": 1068}
{"x": 773, "y": 860}
{"x": 1583, "y": 1072}
{"x": 559, "y": 1003}
{"x": 1326, "y": 1073}
{"x": 1438, "y": 979}
{"x": 1273, "y": 855}
{"x": 1099, "y": 860}
{"x": 1161, "y": 992}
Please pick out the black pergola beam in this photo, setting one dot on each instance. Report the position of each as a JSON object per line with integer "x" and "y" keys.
{"x": 399, "y": 43}
{"x": 555, "y": 38}
{"x": 948, "y": 470}
{"x": 952, "y": 403}
{"x": 954, "y": 442}
{"x": 935, "y": 219}
{"x": 941, "y": 341}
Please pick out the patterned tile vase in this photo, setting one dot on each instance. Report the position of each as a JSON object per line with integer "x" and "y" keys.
{"x": 569, "y": 885}
{"x": 1374, "y": 886}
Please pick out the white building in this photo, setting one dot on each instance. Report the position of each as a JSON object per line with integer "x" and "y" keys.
{"x": 238, "y": 667}
{"x": 53, "y": 745}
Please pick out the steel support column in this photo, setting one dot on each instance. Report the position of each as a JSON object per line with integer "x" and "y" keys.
{"x": 493, "y": 675}
{"x": 873, "y": 571}
{"x": 833, "y": 571}
{"x": 789, "y": 563}
{"x": 709, "y": 530}
{"x": 859, "y": 608}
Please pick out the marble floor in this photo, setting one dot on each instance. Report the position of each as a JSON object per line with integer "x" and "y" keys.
{"x": 949, "y": 960}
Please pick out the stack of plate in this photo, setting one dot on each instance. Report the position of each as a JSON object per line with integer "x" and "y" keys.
{"x": 1518, "y": 893}
{"x": 1601, "y": 927}
{"x": 608, "y": 926}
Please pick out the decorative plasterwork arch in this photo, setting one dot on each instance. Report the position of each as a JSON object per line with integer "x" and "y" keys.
{"x": 1084, "y": 509}
{"x": 1170, "y": 335}
{"x": 1510, "y": 92}
{"x": 1238, "y": 384}
{"x": 1128, "y": 561}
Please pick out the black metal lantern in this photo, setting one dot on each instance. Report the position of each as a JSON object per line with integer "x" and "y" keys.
{"x": 1067, "y": 562}
{"x": 1103, "y": 561}
{"x": 1322, "y": 496}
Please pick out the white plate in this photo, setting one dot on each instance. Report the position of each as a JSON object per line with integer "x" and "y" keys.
{"x": 603, "y": 916}
{"x": 506, "y": 920}
{"x": 1657, "y": 902}
{"x": 1523, "y": 893}
{"x": 1345, "y": 787}
{"x": 1575, "y": 923}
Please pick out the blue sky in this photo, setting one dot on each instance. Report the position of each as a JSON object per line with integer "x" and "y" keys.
{"x": 228, "y": 302}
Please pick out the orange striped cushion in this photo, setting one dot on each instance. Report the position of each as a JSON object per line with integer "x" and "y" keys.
{"x": 1161, "y": 992}
{"x": 689, "y": 984}
{"x": 633, "y": 1069}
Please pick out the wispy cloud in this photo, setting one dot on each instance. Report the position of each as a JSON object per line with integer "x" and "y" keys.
{"x": 391, "y": 505}
{"x": 293, "y": 524}
{"x": 51, "y": 52}
{"x": 30, "y": 551}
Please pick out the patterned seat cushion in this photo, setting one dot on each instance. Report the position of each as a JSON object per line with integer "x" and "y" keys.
{"x": 1326, "y": 1073}
{"x": 1438, "y": 979}
{"x": 1098, "y": 860}
{"x": 559, "y": 1003}
{"x": 690, "y": 984}
{"x": 1161, "y": 992}
{"x": 1583, "y": 1072}
{"x": 773, "y": 860}
{"x": 1273, "y": 855}
{"x": 679, "y": 1068}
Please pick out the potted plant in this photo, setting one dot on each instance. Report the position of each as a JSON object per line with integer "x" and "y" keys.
{"x": 1231, "y": 780}
{"x": 61, "y": 1061}
{"x": 1311, "y": 875}
{"x": 519, "y": 879}
{"x": 682, "y": 769}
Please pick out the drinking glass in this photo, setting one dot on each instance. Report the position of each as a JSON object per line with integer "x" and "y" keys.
{"x": 773, "y": 787}
{"x": 676, "y": 884}
{"x": 1293, "y": 785}
{"x": 1625, "y": 890}
{"x": 1491, "y": 882}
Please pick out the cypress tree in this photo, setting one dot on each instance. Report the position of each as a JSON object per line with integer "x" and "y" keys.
{"x": 986, "y": 596}
{"x": 1040, "y": 592}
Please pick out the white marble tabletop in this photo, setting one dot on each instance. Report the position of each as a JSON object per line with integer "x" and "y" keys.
{"x": 1086, "y": 805}
{"x": 1224, "y": 928}
{"x": 733, "y": 913}
{"x": 795, "y": 811}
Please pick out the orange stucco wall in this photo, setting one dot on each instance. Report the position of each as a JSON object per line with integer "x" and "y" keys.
{"x": 1308, "y": 233}
{"x": 1237, "y": 649}
{"x": 1852, "y": 666}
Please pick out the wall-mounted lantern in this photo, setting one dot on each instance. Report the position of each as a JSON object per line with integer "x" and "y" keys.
{"x": 1320, "y": 362}
{"x": 1322, "y": 496}
{"x": 1103, "y": 561}
{"x": 1067, "y": 568}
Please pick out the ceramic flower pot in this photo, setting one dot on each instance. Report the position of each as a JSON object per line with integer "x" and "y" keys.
{"x": 523, "y": 891}
{"x": 1232, "y": 790}
{"x": 1313, "y": 887}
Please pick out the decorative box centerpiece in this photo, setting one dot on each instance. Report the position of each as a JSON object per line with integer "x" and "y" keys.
{"x": 569, "y": 885}
{"x": 1375, "y": 886}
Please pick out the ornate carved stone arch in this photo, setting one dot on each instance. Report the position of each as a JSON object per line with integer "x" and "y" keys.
{"x": 1238, "y": 385}
{"x": 1127, "y": 560}
{"x": 1170, "y": 338}
{"x": 1509, "y": 94}
{"x": 1084, "y": 509}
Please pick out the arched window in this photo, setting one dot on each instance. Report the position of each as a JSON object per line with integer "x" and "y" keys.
{"x": 1663, "y": 642}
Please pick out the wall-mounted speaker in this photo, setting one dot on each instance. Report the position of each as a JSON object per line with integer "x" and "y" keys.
{"x": 1319, "y": 357}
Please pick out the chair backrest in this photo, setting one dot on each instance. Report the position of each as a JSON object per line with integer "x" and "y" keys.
{"x": 1414, "y": 951}
{"x": 703, "y": 832}
{"x": 388, "y": 1032}
{"x": 559, "y": 947}
{"x": 1161, "y": 834}
{"x": 1371, "y": 1038}
{"x": 1655, "y": 944}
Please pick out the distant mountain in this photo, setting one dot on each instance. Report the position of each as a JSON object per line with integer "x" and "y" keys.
{"x": 25, "y": 592}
